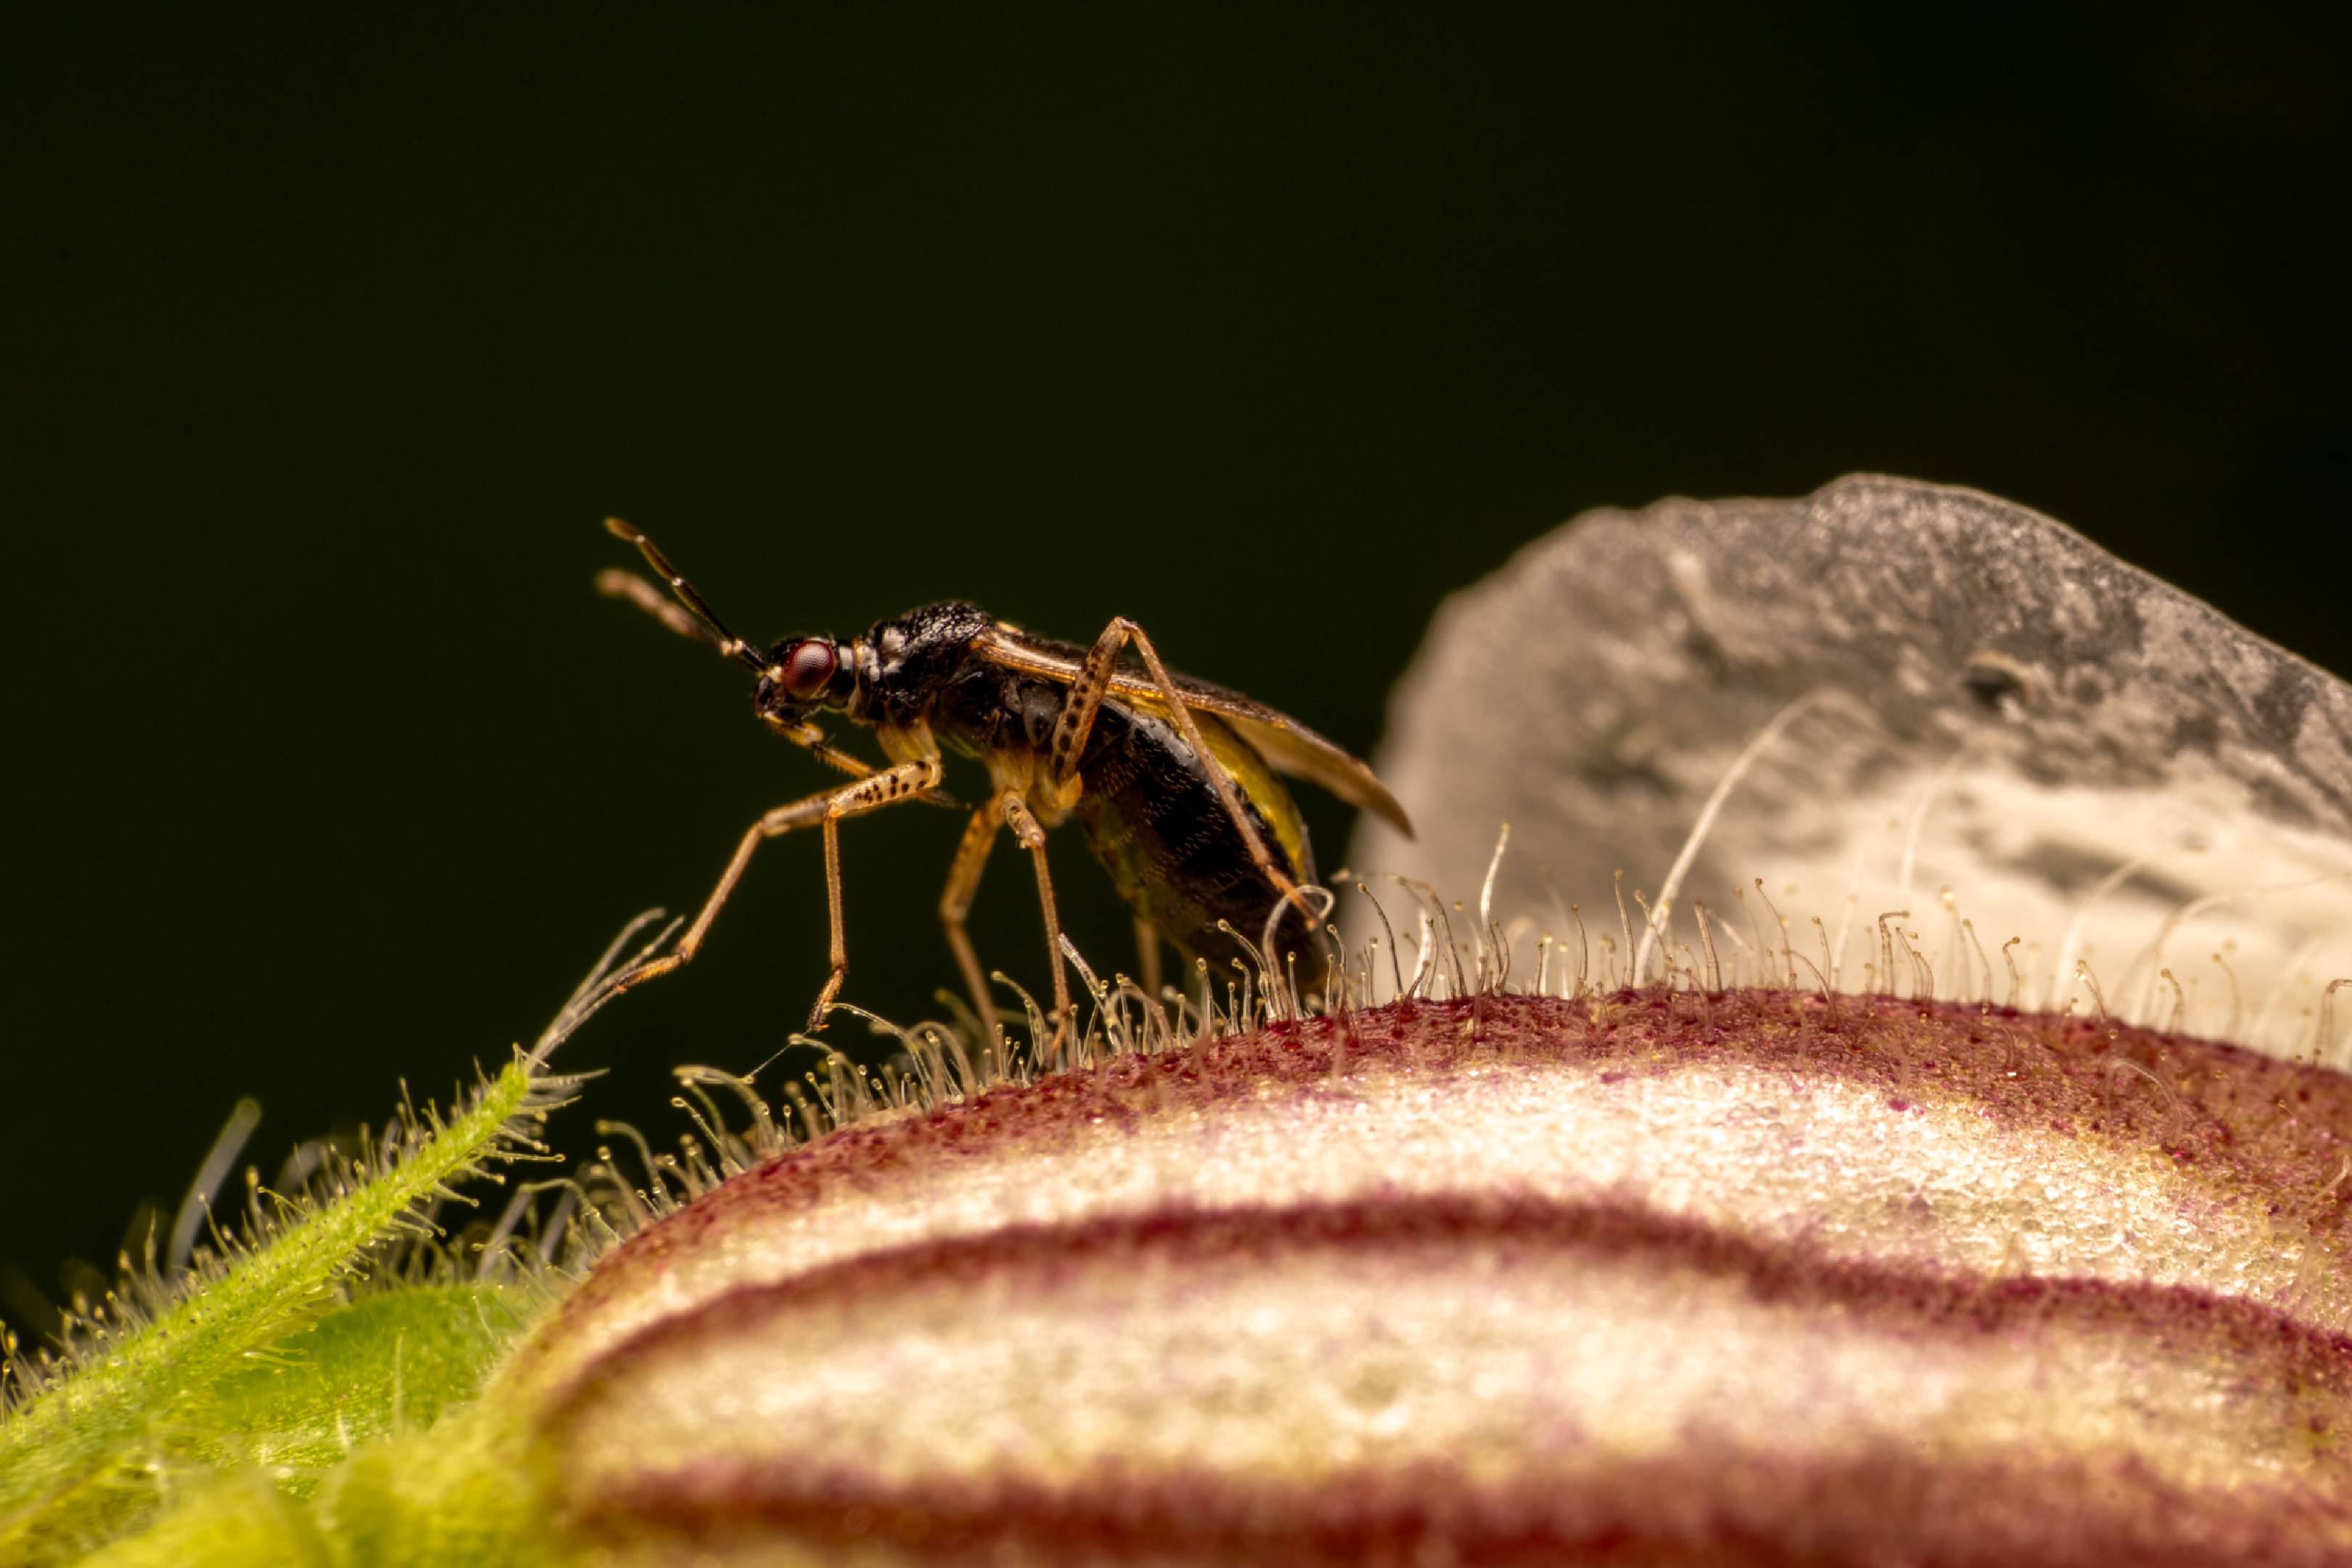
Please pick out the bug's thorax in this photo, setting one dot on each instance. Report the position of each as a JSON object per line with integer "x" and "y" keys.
{"x": 901, "y": 664}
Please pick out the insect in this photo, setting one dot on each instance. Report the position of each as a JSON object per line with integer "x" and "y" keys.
{"x": 1173, "y": 782}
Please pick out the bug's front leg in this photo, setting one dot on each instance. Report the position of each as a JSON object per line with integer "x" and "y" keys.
{"x": 1078, "y": 722}
{"x": 906, "y": 780}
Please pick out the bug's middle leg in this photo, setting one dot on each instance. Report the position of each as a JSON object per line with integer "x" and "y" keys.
{"x": 904, "y": 782}
{"x": 955, "y": 904}
{"x": 1009, "y": 809}
{"x": 1023, "y": 823}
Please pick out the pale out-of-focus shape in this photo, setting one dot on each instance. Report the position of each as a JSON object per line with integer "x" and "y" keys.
{"x": 2090, "y": 759}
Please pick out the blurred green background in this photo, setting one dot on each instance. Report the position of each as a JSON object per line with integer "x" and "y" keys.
{"x": 330, "y": 337}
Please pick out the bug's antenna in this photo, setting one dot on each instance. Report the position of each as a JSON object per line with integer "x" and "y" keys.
{"x": 705, "y": 626}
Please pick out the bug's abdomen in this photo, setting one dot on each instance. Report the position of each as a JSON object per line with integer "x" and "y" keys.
{"x": 1153, "y": 818}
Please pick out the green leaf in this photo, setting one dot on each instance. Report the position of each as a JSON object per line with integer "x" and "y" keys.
{"x": 383, "y": 1364}
{"x": 86, "y": 1455}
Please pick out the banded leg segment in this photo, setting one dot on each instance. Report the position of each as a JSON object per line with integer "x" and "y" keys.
{"x": 1078, "y": 722}
{"x": 907, "y": 781}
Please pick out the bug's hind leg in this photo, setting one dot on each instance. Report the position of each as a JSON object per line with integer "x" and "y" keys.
{"x": 904, "y": 782}
{"x": 1078, "y": 722}
{"x": 955, "y": 904}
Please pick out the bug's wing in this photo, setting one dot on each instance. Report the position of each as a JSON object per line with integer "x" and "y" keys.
{"x": 1288, "y": 745}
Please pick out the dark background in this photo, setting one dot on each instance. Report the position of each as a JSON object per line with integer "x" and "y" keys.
{"x": 327, "y": 342}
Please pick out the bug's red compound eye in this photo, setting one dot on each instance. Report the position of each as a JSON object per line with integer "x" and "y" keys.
{"x": 808, "y": 669}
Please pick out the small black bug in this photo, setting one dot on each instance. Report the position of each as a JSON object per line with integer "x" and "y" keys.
{"x": 1174, "y": 782}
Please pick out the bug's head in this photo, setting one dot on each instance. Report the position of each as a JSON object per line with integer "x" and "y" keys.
{"x": 796, "y": 676}
{"x": 804, "y": 674}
